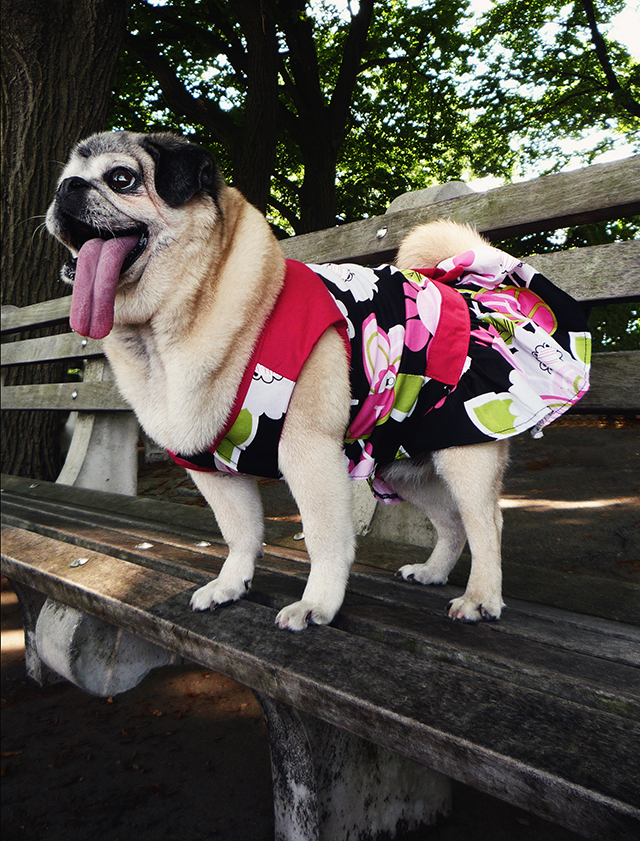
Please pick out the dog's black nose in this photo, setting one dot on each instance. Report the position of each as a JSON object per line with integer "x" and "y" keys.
{"x": 72, "y": 184}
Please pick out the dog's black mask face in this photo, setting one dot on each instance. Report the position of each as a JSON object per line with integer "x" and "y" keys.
{"x": 182, "y": 169}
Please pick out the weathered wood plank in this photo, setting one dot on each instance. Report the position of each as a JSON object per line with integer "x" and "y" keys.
{"x": 615, "y": 387}
{"x": 65, "y": 346}
{"x": 36, "y": 315}
{"x": 171, "y": 549}
{"x": 89, "y": 397}
{"x": 615, "y": 383}
{"x": 596, "y": 273}
{"x": 185, "y": 525}
{"x": 596, "y": 666}
{"x": 477, "y": 729}
{"x": 601, "y": 191}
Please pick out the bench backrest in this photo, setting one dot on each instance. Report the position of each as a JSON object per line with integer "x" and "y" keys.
{"x": 592, "y": 275}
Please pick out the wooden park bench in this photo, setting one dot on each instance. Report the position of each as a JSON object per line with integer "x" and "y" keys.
{"x": 369, "y": 718}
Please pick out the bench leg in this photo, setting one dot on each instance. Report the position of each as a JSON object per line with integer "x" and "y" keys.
{"x": 31, "y": 602}
{"x": 98, "y": 657}
{"x": 329, "y": 785}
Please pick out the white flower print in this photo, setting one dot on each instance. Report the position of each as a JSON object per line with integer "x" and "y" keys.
{"x": 360, "y": 281}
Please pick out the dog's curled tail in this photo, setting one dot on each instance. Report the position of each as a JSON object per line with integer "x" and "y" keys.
{"x": 429, "y": 244}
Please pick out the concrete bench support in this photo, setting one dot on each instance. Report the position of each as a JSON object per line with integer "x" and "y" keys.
{"x": 31, "y": 602}
{"x": 329, "y": 785}
{"x": 98, "y": 657}
{"x": 103, "y": 453}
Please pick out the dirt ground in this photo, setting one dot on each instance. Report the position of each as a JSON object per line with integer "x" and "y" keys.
{"x": 185, "y": 755}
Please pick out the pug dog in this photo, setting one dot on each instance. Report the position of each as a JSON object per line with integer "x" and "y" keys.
{"x": 186, "y": 283}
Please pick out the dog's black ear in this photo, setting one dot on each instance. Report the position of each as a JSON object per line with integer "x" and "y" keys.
{"x": 182, "y": 169}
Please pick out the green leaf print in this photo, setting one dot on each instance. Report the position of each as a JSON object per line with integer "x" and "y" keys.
{"x": 496, "y": 416}
{"x": 406, "y": 392}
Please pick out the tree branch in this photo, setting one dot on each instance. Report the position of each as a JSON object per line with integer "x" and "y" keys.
{"x": 303, "y": 82}
{"x": 384, "y": 62}
{"x": 179, "y": 98}
{"x": 349, "y": 68}
{"x": 226, "y": 43}
{"x": 285, "y": 212}
{"x": 613, "y": 86}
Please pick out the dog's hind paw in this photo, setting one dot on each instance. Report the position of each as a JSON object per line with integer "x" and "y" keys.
{"x": 464, "y": 609}
{"x": 296, "y": 616}
{"x": 421, "y": 574}
{"x": 217, "y": 593}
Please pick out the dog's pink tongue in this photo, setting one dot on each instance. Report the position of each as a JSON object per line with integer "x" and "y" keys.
{"x": 94, "y": 289}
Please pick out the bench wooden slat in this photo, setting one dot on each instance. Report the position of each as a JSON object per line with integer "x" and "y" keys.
{"x": 478, "y": 729}
{"x": 65, "y": 346}
{"x": 596, "y": 273}
{"x": 595, "y": 193}
{"x": 615, "y": 383}
{"x": 583, "y": 654}
{"x": 116, "y": 525}
{"x": 36, "y": 315}
{"x": 615, "y": 387}
{"x": 90, "y": 397}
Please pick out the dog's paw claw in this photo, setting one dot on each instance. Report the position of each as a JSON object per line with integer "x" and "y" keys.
{"x": 297, "y": 616}
{"x": 217, "y": 593}
{"x": 464, "y": 609}
{"x": 419, "y": 574}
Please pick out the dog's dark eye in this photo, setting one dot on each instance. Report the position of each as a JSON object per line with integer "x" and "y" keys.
{"x": 122, "y": 180}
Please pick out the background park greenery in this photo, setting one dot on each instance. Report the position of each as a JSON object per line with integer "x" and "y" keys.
{"x": 320, "y": 112}
{"x": 343, "y": 106}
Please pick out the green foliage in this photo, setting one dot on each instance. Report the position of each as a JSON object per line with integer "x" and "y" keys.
{"x": 409, "y": 123}
{"x": 615, "y": 327}
{"x": 435, "y": 95}
{"x": 541, "y": 80}
{"x": 436, "y": 98}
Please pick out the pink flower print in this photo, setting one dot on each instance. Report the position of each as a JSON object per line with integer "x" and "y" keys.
{"x": 520, "y": 304}
{"x": 466, "y": 259}
{"x": 422, "y": 305}
{"x": 533, "y": 307}
{"x": 363, "y": 468}
{"x": 547, "y": 356}
{"x": 488, "y": 335}
{"x": 381, "y": 354}
{"x": 486, "y": 266}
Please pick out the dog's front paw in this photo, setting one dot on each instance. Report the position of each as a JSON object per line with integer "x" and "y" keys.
{"x": 296, "y": 616}
{"x": 421, "y": 574}
{"x": 465, "y": 609}
{"x": 218, "y": 592}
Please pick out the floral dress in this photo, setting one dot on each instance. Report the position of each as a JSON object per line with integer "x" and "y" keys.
{"x": 480, "y": 348}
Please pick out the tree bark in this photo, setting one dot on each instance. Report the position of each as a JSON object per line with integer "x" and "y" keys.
{"x": 319, "y": 127}
{"x": 59, "y": 57}
{"x": 253, "y": 164}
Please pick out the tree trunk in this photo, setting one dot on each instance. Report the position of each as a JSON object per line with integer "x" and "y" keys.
{"x": 320, "y": 127}
{"x": 318, "y": 196}
{"x": 59, "y": 57}
{"x": 253, "y": 164}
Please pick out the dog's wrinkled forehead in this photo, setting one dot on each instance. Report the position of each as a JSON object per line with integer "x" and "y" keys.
{"x": 102, "y": 152}
{"x": 121, "y": 142}
{"x": 177, "y": 168}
